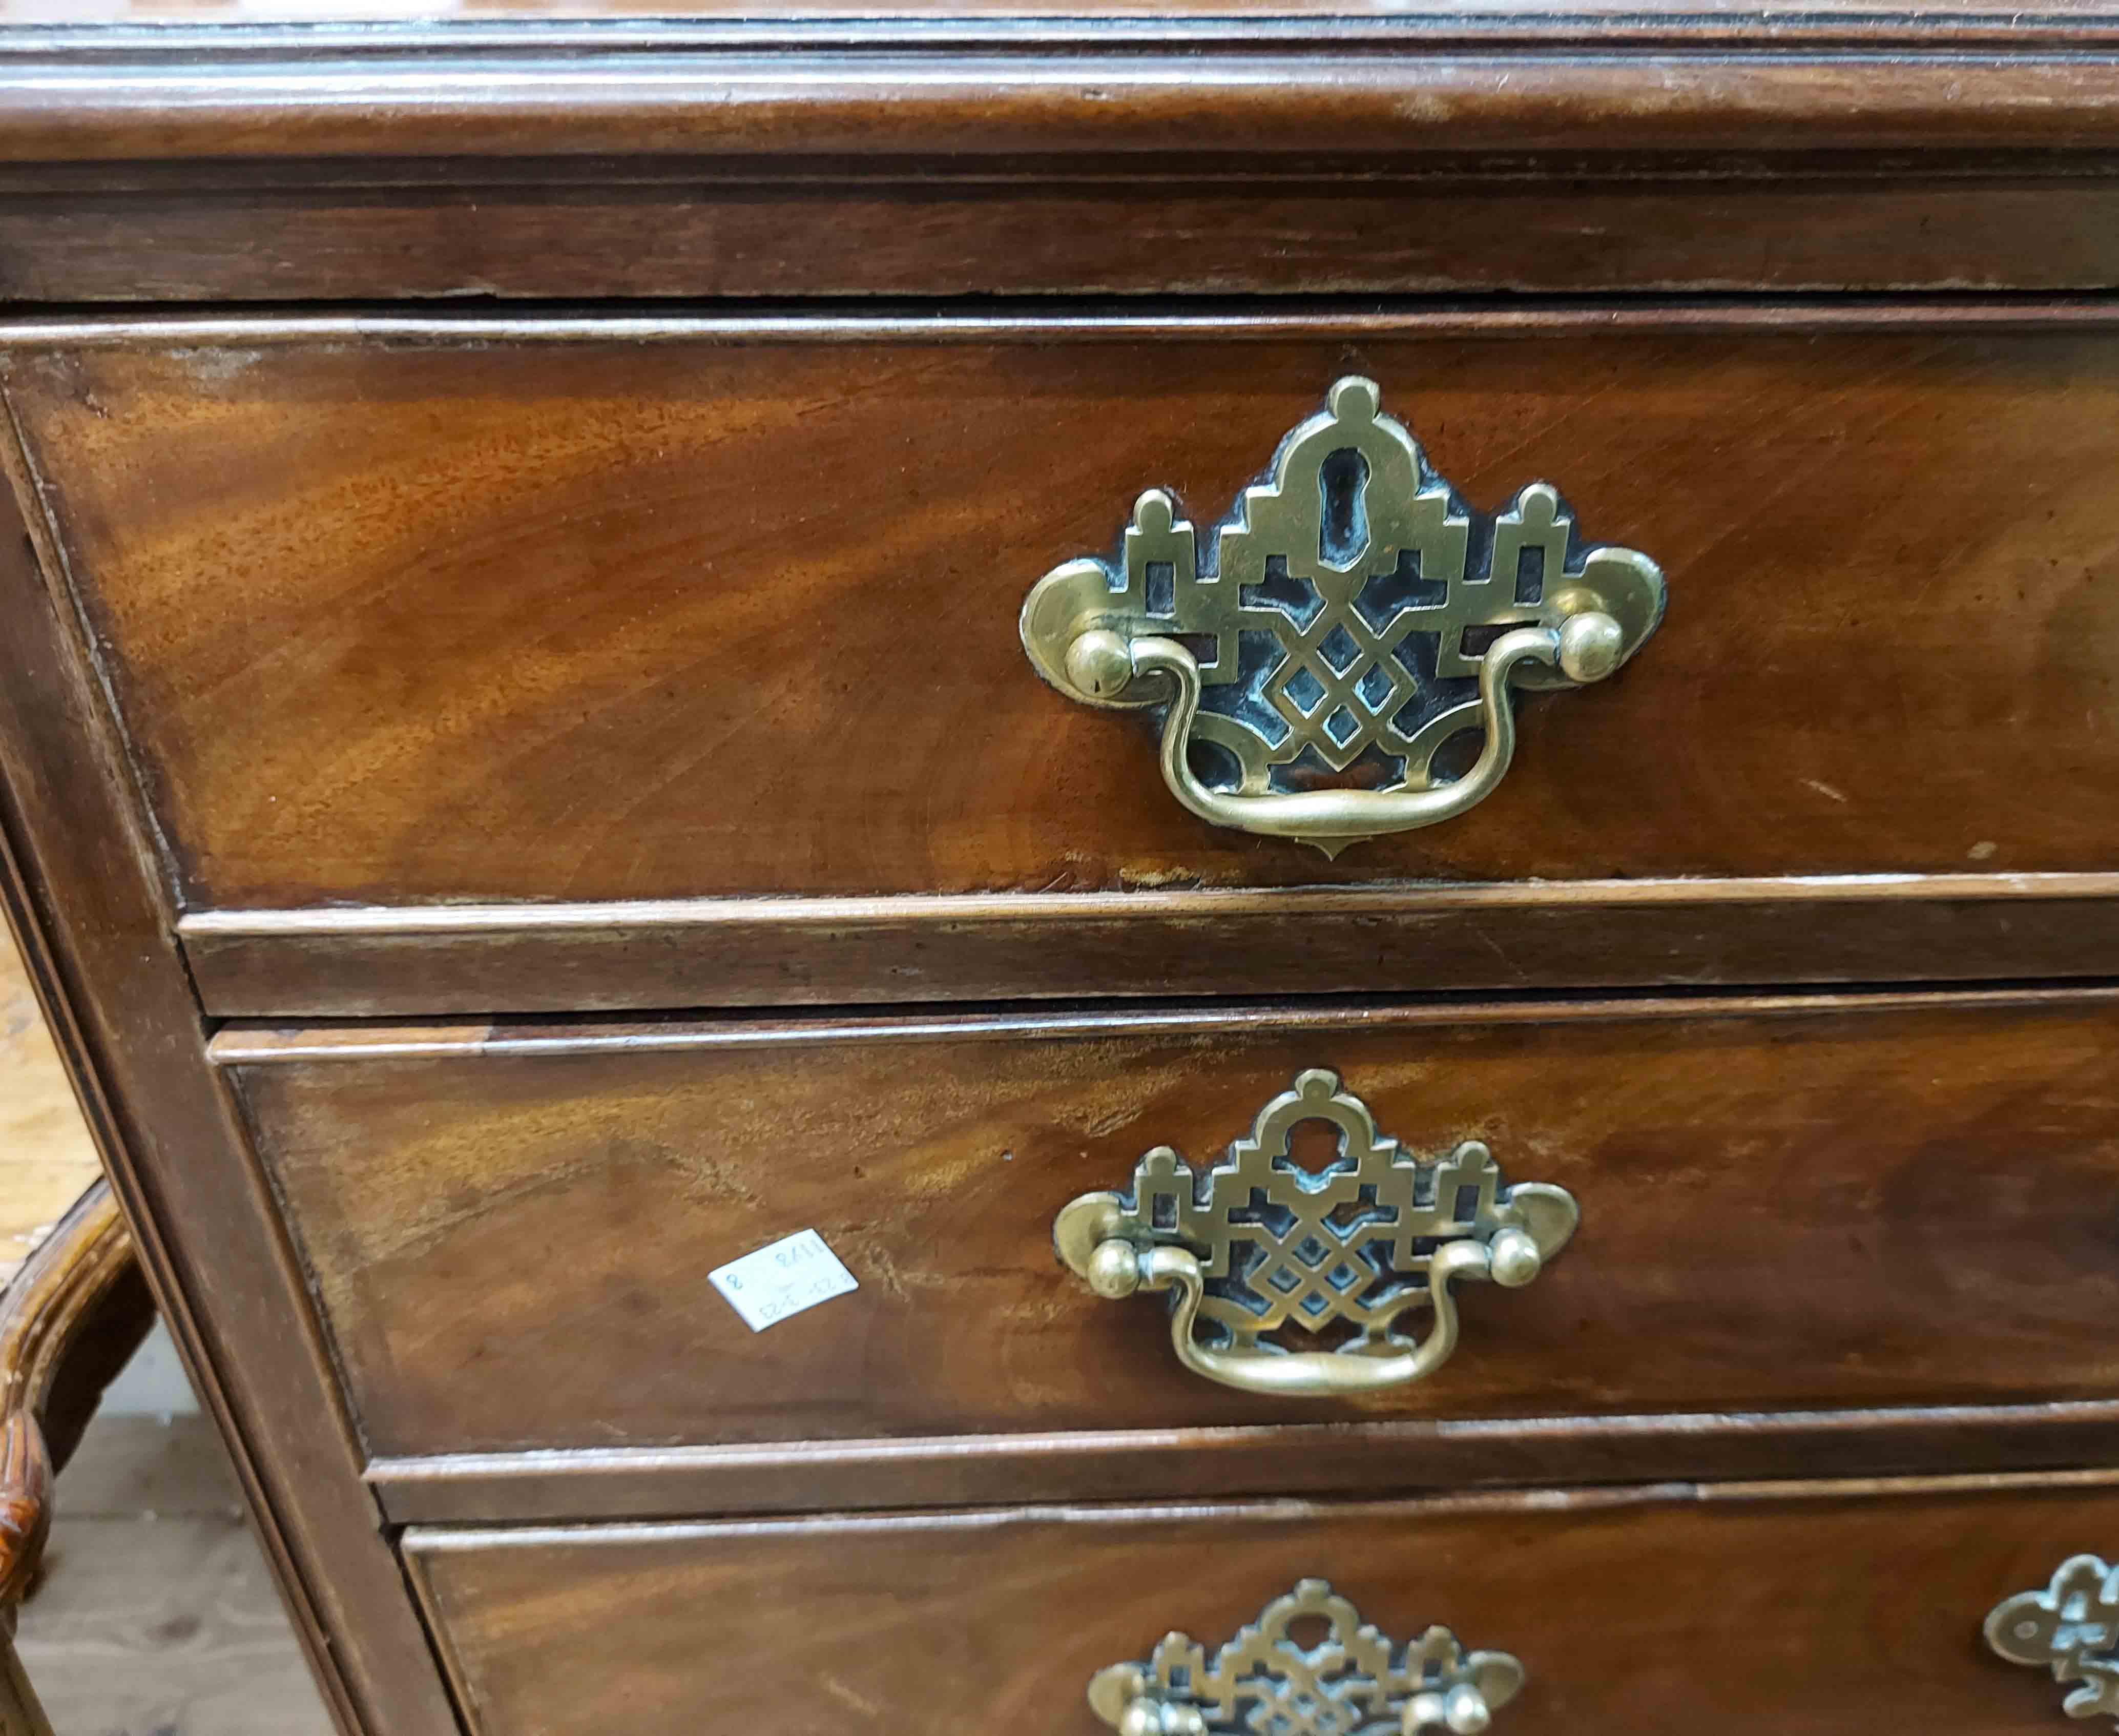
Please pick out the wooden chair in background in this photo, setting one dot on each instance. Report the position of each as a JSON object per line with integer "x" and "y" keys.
{"x": 70, "y": 1318}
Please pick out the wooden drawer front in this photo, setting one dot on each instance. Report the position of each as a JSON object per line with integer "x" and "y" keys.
{"x": 665, "y": 610}
{"x": 1878, "y": 1202}
{"x": 1825, "y": 1609}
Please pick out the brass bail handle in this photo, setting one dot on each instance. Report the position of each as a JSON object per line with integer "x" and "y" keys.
{"x": 1584, "y": 648}
{"x": 1256, "y": 1244}
{"x": 1344, "y": 571}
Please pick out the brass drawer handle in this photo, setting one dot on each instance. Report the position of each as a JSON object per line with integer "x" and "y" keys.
{"x": 1312, "y": 612}
{"x": 1354, "y": 1681}
{"x": 2070, "y": 1628}
{"x": 1258, "y": 1244}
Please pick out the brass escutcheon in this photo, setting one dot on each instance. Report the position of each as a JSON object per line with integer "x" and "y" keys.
{"x": 1351, "y": 618}
{"x": 1257, "y": 1244}
{"x": 1354, "y": 1681}
{"x": 2071, "y": 1628}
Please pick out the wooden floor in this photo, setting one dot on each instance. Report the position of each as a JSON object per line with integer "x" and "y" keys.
{"x": 154, "y": 1616}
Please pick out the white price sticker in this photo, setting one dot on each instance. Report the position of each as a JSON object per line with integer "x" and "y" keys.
{"x": 783, "y": 1278}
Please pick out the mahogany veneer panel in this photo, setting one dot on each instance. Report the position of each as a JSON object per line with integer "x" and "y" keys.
{"x": 394, "y": 620}
{"x": 1832, "y": 1611}
{"x": 509, "y": 1231}
{"x": 80, "y": 891}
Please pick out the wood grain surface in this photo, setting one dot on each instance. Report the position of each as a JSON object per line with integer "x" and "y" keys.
{"x": 1824, "y": 1611}
{"x": 421, "y": 620}
{"x": 829, "y": 148}
{"x": 78, "y": 889}
{"x": 695, "y": 633}
{"x": 508, "y": 1233}
{"x": 1065, "y": 93}
{"x": 554, "y": 231}
{"x": 484, "y": 958}
{"x": 1370, "y": 1460}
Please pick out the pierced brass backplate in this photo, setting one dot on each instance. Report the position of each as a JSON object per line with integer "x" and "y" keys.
{"x": 1258, "y": 1244}
{"x": 1350, "y": 620}
{"x": 1352, "y": 1682}
{"x": 2070, "y": 1628}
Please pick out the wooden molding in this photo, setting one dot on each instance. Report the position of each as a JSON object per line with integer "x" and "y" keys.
{"x": 600, "y": 957}
{"x": 1320, "y": 1460}
{"x": 588, "y": 95}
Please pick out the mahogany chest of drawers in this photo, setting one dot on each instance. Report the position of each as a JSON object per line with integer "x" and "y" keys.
{"x": 1204, "y": 869}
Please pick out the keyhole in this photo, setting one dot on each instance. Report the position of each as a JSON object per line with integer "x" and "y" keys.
{"x": 1342, "y": 510}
